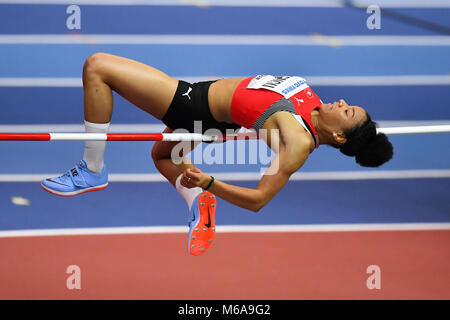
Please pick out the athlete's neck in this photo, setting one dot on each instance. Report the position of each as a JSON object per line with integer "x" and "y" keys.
{"x": 315, "y": 119}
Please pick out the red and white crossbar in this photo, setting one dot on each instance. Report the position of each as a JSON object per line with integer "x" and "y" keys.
{"x": 183, "y": 136}
{"x": 121, "y": 137}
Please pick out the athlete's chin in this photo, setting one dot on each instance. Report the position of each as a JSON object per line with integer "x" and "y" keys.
{"x": 326, "y": 107}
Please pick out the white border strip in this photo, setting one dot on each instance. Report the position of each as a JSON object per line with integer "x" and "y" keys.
{"x": 245, "y": 3}
{"x": 415, "y": 130}
{"x": 116, "y": 128}
{"x": 42, "y": 82}
{"x": 218, "y": 39}
{"x": 405, "y": 80}
{"x": 256, "y": 176}
{"x": 229, "y": 229}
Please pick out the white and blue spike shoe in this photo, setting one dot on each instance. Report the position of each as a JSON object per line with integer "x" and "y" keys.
{"x": 77, "y": 180}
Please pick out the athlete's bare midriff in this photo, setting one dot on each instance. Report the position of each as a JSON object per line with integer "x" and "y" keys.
{"x": 220, "y": 96}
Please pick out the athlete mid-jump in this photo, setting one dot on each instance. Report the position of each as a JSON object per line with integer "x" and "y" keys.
{"x": 285, "y": 103}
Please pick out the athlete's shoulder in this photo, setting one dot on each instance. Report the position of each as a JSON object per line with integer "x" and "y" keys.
{"x": 293, "y": 134}
{"x": 295, "y": 152}
{"x": 302, "y": 141}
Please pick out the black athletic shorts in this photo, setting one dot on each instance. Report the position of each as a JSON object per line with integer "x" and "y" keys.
{"x": 190, "y": 104}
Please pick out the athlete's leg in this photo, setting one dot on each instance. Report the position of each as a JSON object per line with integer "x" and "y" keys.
{"x": 164, "y": 162}
{"x": 162, "y": 157}
{"x": 202, "y": 204}
{"x": 142, "y": 85}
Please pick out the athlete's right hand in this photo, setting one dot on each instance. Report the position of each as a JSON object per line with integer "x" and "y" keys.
{"x": 194, "y": 177}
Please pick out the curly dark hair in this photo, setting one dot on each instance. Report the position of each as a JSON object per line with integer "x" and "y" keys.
{"x": 370, "y": 149}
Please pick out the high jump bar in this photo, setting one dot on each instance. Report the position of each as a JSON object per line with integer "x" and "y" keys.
{"x": 249, "y": 135}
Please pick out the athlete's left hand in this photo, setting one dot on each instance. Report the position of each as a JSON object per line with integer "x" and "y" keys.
{"x": 193, "y": 177}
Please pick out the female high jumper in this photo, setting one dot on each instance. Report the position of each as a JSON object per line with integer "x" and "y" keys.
{"x": 285, "y": 104}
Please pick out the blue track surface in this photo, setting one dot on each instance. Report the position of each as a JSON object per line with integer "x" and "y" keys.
{"x": 50, "y": 19}
{"x": 64, "y": 105}
{"x": 300, "y": 202}
{"x": 324, "y": 202}
{"x": 411, "y": 152}
{"x": 201, "y": 60}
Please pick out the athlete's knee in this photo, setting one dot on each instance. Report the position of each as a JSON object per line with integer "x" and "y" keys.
{"x": 92, "y": 68}
{"x": 156, "y": 153}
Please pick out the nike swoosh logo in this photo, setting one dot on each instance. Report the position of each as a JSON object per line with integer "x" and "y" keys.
{"x": 57, "y": 182}
{"x": 208, "y": 225}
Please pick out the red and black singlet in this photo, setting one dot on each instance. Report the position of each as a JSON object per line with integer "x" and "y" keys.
{"x": 257, "y": 98}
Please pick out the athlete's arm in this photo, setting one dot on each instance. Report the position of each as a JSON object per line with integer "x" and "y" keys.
{"x": 291, "y": 157}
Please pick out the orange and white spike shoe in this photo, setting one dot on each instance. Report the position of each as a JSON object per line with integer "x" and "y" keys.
{"x": 202, "y": 228}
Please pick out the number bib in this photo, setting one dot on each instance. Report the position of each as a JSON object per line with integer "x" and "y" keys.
{"x": 287, "y": 86}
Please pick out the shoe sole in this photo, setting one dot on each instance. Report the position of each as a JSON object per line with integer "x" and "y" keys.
{"x": 200, "y": 236}
{"x": 74, "y": 193}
